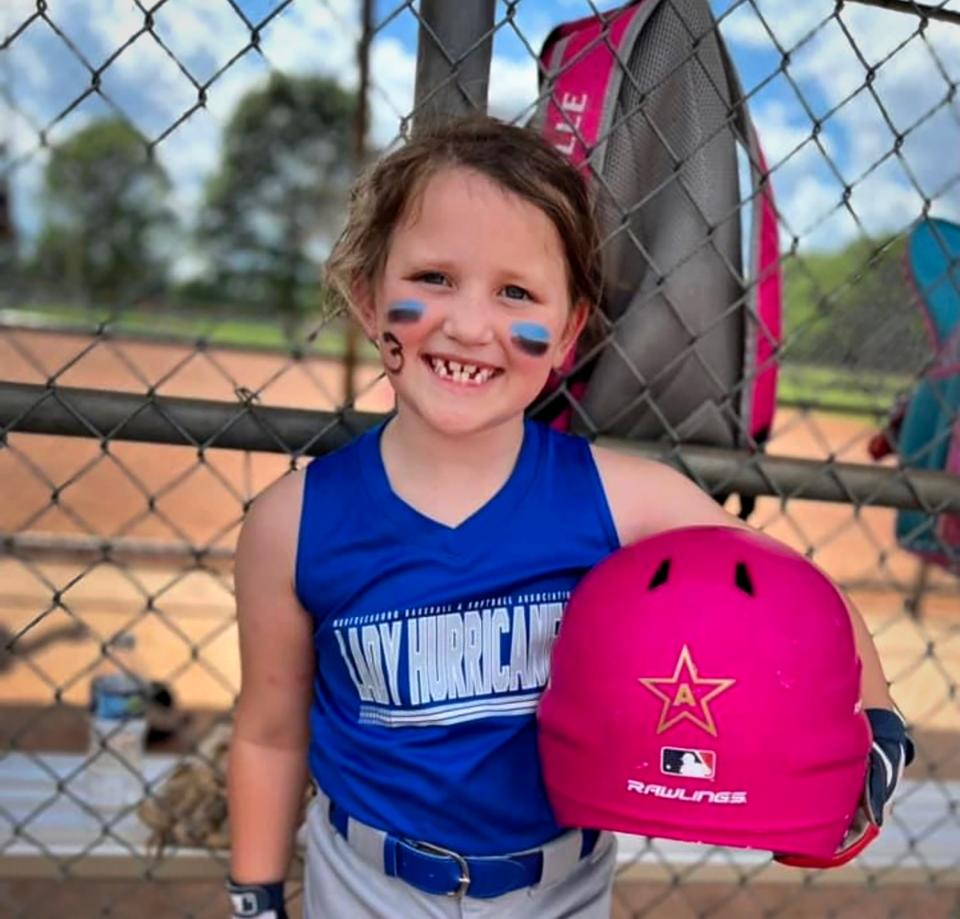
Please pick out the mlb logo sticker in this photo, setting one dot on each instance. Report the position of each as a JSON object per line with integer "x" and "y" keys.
{"x": 698, "y": 764}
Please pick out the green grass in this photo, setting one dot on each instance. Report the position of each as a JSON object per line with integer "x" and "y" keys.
{"x": 860, "y": 392}
{"x": 250, "y": 332}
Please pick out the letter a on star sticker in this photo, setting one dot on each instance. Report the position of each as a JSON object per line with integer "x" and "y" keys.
{"x": 686, "y": 695}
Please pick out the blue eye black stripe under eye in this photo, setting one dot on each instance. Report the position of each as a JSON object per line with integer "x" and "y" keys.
{"x": 405, "y": 311}
{"x": 530, "y": 337}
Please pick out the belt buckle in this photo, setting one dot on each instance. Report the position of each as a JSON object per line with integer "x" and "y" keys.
{"x": 462, "y": 866}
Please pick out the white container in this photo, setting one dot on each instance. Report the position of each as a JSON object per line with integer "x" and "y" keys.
{"x": 113, "y": 778}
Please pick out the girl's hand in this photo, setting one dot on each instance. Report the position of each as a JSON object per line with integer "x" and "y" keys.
{"x": 892, "y": 750}
{"x": 257, "y": 901}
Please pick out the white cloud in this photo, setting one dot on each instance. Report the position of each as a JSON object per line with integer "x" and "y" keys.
{"x": 511, "y": 91}
{"x": 751, "y": 25}
{"x": 190, "y": 155}
{"x": 786, "y": 136}
{"x": 15, "y": 13}
{"x": 19, "y": 134}
{"x": 245, "y": 73}
{"x": 392, "y": 79}
{"x": 831, "y": 69}
{"x": 42, "y": 75}
{"x": 814, "y": 209}
{"x": 885, "y": 200}
{"x": 801, "y": 177}
{"x": 97, "y": 29}
{"x": 513, "y": 88}
{"x": 314, "y": 36}
{"x": 148, "y": 87}
{"x": 203, "y": 35}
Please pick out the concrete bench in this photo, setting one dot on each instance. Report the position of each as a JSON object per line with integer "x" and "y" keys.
{"x": 45, "y": 832}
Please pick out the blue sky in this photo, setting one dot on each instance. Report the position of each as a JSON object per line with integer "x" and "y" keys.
{"x": 42, "y": 76}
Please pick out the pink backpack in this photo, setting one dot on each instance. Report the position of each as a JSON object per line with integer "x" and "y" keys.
{"x": 646, "y": 101}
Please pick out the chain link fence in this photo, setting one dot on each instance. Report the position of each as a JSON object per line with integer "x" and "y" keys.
{"x": 171, "y": 176}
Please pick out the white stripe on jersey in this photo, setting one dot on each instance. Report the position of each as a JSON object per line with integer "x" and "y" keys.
{"x": 450, "y": 714}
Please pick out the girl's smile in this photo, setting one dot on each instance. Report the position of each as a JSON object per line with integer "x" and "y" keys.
{"x": 461, "y": 372}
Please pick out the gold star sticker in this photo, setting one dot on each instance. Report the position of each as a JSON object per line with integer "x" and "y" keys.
{"x": 684, "y": 697}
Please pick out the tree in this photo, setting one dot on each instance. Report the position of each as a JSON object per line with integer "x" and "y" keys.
{"x": 106, "y": 218}
{"x": 852, "y": 307}
{"x": 8, "y": 236}
{"x": 273, "y": 205}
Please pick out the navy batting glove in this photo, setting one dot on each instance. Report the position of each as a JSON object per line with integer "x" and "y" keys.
{"x": 892, "y": 750}
{"x": 257, "y": 901}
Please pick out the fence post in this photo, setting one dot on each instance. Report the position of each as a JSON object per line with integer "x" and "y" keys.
{"x": 361, "y": 117}
{"x": 453, "y": 59}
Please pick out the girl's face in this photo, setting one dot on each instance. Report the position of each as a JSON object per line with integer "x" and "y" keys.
{"x": 472, "y": 310}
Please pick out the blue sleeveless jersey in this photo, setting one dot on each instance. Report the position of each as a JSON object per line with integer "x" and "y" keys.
{"x": 433, "y": 643}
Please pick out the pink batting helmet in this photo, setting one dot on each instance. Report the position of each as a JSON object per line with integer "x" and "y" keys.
{"x": 705, "y": 687}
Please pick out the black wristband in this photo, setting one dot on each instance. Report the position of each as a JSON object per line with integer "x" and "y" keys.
{"x": 251, "y": 900}
{"x": 887, "y": 725}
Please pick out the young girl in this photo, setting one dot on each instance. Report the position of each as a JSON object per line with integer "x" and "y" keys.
{"x": 397, "y": 599}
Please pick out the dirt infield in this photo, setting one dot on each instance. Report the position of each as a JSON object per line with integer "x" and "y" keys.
{"x": 183, "y": 611}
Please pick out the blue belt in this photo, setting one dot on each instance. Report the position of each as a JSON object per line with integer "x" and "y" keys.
{"x": 436, "y": 870}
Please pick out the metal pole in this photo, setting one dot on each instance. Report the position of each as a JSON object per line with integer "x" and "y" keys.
{"x": 722, "y": 470}
{"x": 109, "y": 416}
{"x": 453, "y": 59}
{"x": 352, "y": 337}
{"x": 206, "y": 424}
{"x": 8, "y": 238}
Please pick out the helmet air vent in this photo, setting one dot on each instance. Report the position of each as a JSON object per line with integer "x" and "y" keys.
{"x": 660, "y": 575}
{"x": 743, "y": 579}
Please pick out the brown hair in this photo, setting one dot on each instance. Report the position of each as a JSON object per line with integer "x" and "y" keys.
{"x": 516, "y": 158}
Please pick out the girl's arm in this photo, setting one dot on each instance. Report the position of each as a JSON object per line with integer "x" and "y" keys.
{"x": 268, "y": 752}
{"x": 874, "y": 691}
{"x": 646, "y": 497}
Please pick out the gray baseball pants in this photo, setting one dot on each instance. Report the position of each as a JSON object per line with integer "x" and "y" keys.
{"x": 344, "y": 883}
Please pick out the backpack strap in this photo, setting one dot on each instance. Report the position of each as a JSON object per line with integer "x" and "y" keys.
{"x": 581, "y": 71}
{"x": 932, "y": 265}
{"x": 950, "y": 523}
{"x": 764, "y": 304}
{"x": 582, "y": 64}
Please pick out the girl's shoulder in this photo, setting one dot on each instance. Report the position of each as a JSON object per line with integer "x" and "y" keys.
{"x": 282, "y": 498}
{"x": 647, "y": 496}
{"x": 281, "y": 503}
{"x": 273, "y": 517}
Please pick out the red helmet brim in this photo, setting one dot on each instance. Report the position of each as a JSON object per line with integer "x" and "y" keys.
{"x": 846, "y": 853}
